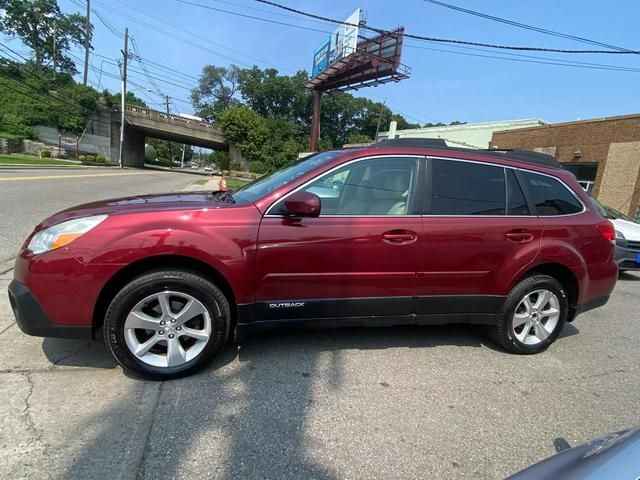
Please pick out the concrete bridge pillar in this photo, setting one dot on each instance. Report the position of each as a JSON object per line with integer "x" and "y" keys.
{"x": 133, "y": 151}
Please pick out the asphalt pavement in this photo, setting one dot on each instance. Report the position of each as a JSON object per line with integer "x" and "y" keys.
{"x": 410, "y": 402}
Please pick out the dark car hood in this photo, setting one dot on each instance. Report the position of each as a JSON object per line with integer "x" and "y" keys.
{"x": 139, "y": 204}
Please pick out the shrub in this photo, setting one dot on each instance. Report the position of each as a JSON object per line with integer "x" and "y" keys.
{"x": 237, "y": 166}
{"x": 257, "y": 167}
{"x": 225, "y": 173}
{"x": 100, "y": 158}
{"x": 82, "y": 158}
{"x": 45, "y": 153}
{"x": 91, "y": 158}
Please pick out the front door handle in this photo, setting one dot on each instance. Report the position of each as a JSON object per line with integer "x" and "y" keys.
{"x": 519, "y": 235}
{"x": 399, "y": 237}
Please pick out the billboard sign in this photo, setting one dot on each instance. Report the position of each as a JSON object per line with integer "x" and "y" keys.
{"x": 342, "y": 42}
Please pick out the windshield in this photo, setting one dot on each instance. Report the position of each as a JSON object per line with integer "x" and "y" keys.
{"x": 271, "y": 182}
{"x": 616, "y": 215}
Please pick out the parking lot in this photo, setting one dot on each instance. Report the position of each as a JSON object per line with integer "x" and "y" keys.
{"x": 438, "y": 402}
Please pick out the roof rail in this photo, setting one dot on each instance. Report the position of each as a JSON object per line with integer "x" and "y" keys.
{"x": 439, "y": 143}
{"x": 411, "y": 143}
{"x": 529, "y": 156}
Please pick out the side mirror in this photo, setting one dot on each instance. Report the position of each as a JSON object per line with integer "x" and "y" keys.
{"x": 303, "y": 204}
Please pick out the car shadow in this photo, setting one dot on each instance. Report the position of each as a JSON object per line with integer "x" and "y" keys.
{"x": 78, "y": 353}
{"x": 629, "y": 276}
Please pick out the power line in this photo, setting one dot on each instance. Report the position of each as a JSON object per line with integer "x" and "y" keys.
{"x": 426, "y": 38}
{"x": 529, "y": 27}
{"x": 558, "y": 63}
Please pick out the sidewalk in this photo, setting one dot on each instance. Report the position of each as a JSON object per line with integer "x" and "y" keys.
{"x": 212, "y": 184}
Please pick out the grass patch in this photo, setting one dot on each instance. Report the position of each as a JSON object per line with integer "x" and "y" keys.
{"x": 16, "y": 159}
{"x": 235, "y": 184}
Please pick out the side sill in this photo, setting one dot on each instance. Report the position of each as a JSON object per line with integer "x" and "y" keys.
{"x": 245, "y": 330}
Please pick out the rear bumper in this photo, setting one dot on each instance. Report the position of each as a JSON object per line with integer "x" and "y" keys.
{"x": 626, "y": 258}
{"x": 33, "y": 320}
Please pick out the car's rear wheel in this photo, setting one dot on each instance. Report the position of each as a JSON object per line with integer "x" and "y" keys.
{"x": 167, "y": 324}
{"x": 533, "y": 315}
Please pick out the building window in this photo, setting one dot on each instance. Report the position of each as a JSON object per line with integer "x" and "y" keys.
{"x": 584, "y": 172}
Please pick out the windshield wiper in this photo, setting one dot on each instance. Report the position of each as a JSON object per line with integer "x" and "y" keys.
{"x": 221, "y": 196}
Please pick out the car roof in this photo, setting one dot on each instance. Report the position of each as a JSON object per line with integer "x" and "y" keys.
{"x": 526, "y": 156}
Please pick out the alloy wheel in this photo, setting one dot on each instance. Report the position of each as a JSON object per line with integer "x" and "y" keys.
{"x": 167, "y": 329}
{"x": 536, "y": 317}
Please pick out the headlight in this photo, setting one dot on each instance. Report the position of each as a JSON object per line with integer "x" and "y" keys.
{"x": 619, "y": 235}
{"x": 63, "y": 233}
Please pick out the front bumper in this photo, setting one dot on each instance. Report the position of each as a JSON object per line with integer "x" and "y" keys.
{"x": 33, "y": 320}
{"x": 627, "y": 258}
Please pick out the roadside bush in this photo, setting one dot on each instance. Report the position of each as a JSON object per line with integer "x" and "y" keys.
{"x": 91, "y": 158}
{"x": 45, "y": 153}
{"x": 257, "y": 167}
{"x": 237, "y": 166}
{"x": 82, "y": 158}
{"x": 100, "y": 158}
{"x": 225, "y": 173}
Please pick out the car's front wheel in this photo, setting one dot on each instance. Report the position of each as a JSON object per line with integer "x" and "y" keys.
{"x": 533, "y": 316}
{"x": 167, "y": 324}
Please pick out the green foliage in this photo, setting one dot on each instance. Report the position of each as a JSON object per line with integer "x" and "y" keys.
{"x": 246, "y": 129}
{"x": 82, "y": 158}
{"x": 40, "y": 24}
{"x": 257, "y": 167}
{"x": 216, "y": 91}
{"x": 149, "y": 153}
{"x": 357, "y": 137}
{"x": 91, "y": 158}
{"x": 237, "y": 166}
{"x": 100, "y": 158}
{"x": 116, "y": 99}
{"x": 220, "y": 159}
{"x": 45, "y": 153}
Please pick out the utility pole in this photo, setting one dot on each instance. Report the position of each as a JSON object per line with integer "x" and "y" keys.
{"x": 87, "y": 33}
{"x": 125, "y": 54}
{"x": 54, "y": 50}
{"x": 182, "y": 161}
{"x": 167, "y": 98}
{"x": 375, "y": 139}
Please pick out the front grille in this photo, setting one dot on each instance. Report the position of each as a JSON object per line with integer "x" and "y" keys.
{"x": 633, "y": 245}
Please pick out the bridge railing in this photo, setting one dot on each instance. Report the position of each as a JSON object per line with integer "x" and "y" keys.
{"x": 157, "y": 115}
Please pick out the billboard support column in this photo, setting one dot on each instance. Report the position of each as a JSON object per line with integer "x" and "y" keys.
{"x": 315, "y": 120}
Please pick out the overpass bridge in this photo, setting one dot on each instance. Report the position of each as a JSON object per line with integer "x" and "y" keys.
{"x": 143, "y": 122}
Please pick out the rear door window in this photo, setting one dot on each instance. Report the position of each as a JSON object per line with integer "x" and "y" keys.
{"x": 550, "y": 196}
{"x": 466, "y": 188}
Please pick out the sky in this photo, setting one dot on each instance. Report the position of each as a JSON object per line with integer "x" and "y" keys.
{"x": 450, "y": 83}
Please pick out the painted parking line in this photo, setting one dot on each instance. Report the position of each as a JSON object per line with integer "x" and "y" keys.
{"x": 84, "y": 175}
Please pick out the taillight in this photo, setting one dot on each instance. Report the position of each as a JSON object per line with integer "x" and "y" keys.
{"x": 607, "y": 230}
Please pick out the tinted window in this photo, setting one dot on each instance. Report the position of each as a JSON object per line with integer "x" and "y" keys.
{"x": 550, "y": 196}
{"x": 516, "y": 203}
{"x": 464, "y": 188}
{"x": 381, "y": 186}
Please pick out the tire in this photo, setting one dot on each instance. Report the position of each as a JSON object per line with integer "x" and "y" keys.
{"x": 543, "y": 326}
{"x": 176, "y": 321}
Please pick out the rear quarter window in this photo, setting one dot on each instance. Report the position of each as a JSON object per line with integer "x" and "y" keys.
{"x": 550, "y": 196}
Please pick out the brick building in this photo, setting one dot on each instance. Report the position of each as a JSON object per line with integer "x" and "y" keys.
{"x": 604, "y": 154}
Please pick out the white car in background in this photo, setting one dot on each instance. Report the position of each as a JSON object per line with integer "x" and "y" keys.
{"x": 627, "y": 237}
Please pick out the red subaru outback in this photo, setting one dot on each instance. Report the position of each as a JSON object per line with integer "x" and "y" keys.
{"x": 403, "y": 232}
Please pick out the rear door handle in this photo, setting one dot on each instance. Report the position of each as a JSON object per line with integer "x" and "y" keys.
{"x": 399, "y": 237}
{"x": 519, "y": 235}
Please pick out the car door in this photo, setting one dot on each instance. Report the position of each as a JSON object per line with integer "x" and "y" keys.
{"x": 357, "y": 258}
{"x": 478, "y": 232}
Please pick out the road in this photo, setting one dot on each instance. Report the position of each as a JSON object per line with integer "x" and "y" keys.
{"x": 439, "y": 402}
{"x": 27, "y": 196}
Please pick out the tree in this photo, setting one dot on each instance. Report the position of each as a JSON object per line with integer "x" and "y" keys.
{"x": 216, "y": 91}
{"x": 246, "y": 130}
{"x": 42, "y": 26}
